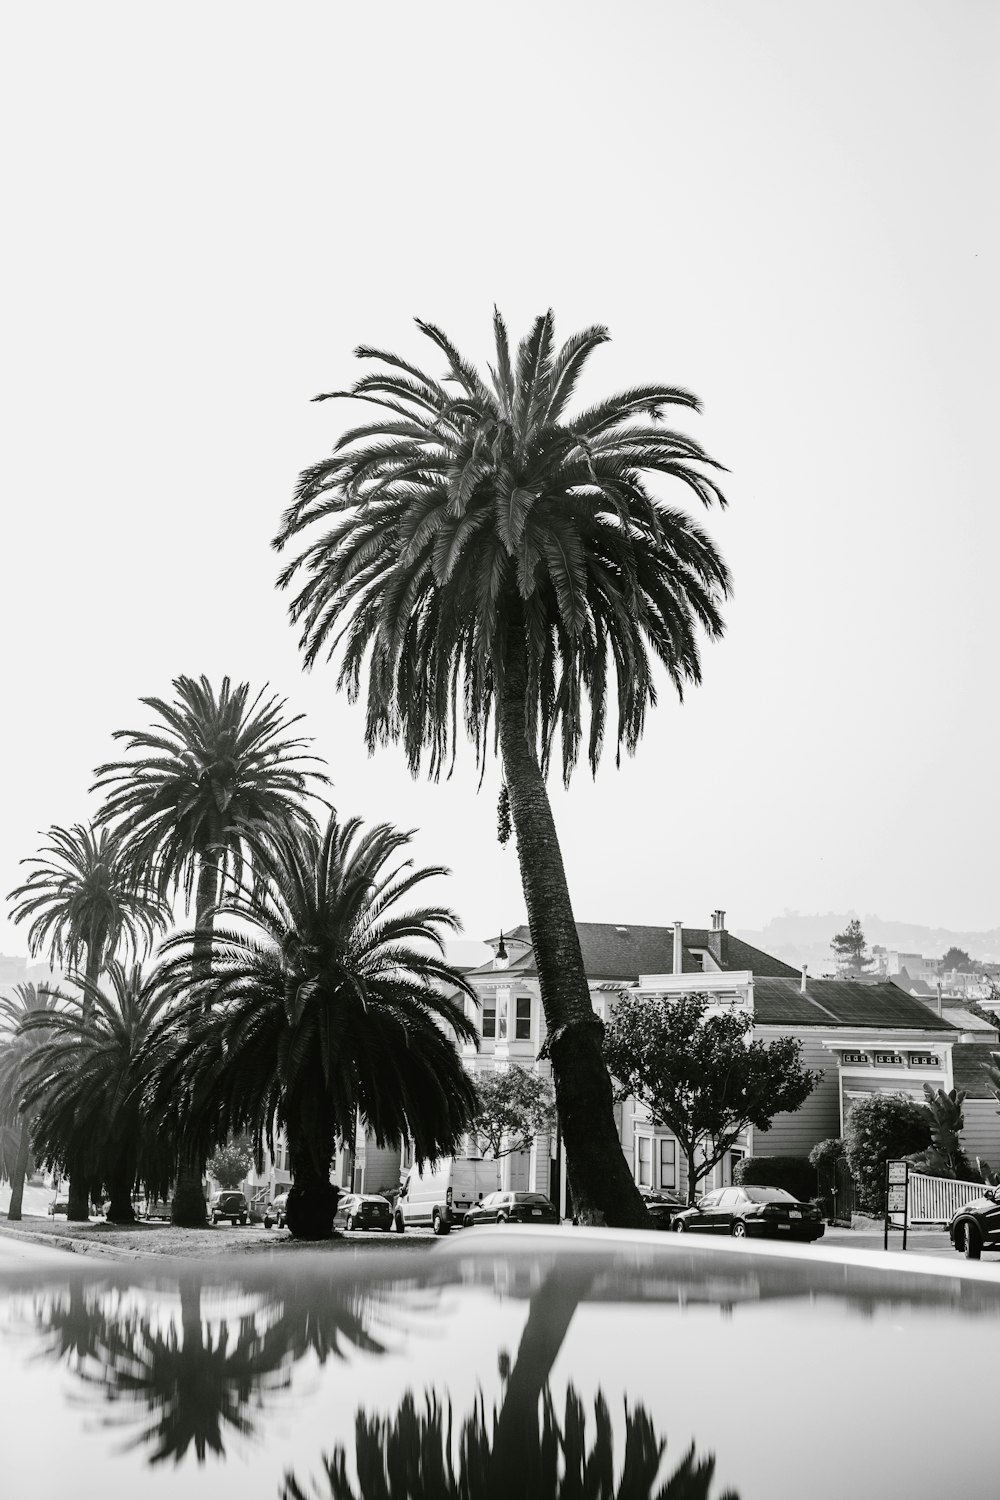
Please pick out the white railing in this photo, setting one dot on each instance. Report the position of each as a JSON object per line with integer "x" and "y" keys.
{"x": 933, "y": 1200}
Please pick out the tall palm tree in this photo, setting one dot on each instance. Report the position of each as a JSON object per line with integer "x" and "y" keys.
{"x": 83, "y": 905}
{"x": 87, "y": 1081}
{"x": 482, "y": 553}
{"x": 199, "y": 799}
{"x": 17, "y": 1051}
{"x": 327, "y": 1000}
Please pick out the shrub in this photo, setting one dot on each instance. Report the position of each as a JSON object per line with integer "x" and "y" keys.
{"x": 879, "y": 1128}
{"x": 825, "y": 1153}
{"x": 793, "y": 1173}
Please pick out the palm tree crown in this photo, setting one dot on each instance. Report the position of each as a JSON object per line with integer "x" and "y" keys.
{"x": 326, "y": 999}
{"x": 210, "y": 784}
{"x": 481, "y": 530}
{"x": 81, "y": 904}
{"x": 87, "y": 1082}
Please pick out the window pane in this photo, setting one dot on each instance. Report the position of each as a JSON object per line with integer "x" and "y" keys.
{"x": 522, "y": 1032}
{"x": 645, "y": 1160}
{"x": 489, "y": 1018}
{"x": 668, "y": 1163}
{"x": 502, "y": 1019}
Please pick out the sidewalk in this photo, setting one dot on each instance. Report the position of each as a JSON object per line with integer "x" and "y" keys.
{"x": 918, "y": 1241}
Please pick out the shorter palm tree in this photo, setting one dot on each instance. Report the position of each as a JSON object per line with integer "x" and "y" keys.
{"x": 325, "y": 1000}
{"x": 88, "y": 1079}
{"x": 16, "y": 1054}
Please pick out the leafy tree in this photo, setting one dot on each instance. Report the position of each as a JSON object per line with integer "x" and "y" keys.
{"x": 231, "y": 1162}
{"x": 88, "y": 1081}
{"x": 700, "y": 1076}
{"x": 513, "y": 1107}
{"x": 16, "y": 1053}
{"x": 957, "y": 958}
{"x": 481, "y": 553}
{"x": 327, "y": 999}
{"x": 83, "y": 905}
{"x": 944, "y": 1157}
{"x": 200, "y": 798}
{"x": 850, "y": 946}
{"x": 880, "y": 1128}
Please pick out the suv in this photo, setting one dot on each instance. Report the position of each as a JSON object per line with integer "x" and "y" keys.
{"x": 975, "y": 1227}
{"x": 231, "y": 1206}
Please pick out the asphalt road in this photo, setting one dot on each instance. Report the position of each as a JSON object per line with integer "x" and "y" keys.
{"x": 35, "y": 1204}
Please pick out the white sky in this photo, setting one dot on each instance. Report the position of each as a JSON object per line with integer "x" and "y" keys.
{"x": 789, "y": 208}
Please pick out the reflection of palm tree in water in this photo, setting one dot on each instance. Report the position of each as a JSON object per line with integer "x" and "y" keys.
{"x": 523, "y": 1450}
{"x": 202, "y": 1379}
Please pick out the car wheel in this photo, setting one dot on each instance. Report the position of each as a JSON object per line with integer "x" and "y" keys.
{"x": 438, "y": 1224}
{"x": 501, "y": 1219}
{"x": 243, "y": 1218}
{"x": 399, "y": 1224}
{"x": 972, "y": 1243}
{"x": 268, "y": 1221}
{"x": 738, "y": 1230}
{"x": 215, "y": 1218}
{"x": 350, "y": 1223}
{"x": 680, "y": 1226}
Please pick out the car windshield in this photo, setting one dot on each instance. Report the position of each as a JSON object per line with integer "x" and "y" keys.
{"x": 769, "y": 1195}
{"x": 538, "y": 1199}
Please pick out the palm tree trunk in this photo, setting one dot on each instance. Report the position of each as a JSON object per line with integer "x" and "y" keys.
{"x": 20, "y": 1172}
{"x": 312, "y": 1201}
{"x": 78, "y": 1207}
{"x": 188, "y": 1206}
{"x": 120, "y": 1208}
{"x": 603, "y": 1189}
{"x": 550, "y": 1314}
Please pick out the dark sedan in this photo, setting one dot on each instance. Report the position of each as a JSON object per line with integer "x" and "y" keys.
{"x": 975, "y": 1227}
{"x": 363, "y": 1211}
{"x": 663, "y": 1206}
{"x": 512, "y": 1208}
{"x": 743, "y": 1211}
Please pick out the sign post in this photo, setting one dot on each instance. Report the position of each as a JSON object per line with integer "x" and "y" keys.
{"x": 897, "y": 1199}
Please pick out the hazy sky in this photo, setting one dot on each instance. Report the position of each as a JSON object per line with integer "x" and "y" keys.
{"x": 789, "y": 208}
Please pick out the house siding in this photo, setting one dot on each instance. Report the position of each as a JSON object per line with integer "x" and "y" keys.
{"x": 981, "y": 1136}
{"x": 819, "y": 1118}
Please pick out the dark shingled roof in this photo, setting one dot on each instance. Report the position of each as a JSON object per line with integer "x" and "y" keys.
{"x": 625, "y": 952}
{"x": 967, "y": 1059}
{"x": 840, "y": 1002}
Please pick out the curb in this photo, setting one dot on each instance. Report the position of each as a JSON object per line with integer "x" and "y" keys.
{"x": 71, "y": 1244}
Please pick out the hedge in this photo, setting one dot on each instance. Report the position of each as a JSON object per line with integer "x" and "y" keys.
{"x": 795, "y": 1174}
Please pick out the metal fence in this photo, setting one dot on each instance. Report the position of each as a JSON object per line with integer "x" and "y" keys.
{"x": 933, "y": 1200}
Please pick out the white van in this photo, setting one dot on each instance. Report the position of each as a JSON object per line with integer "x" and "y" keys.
{"x": 440, "y": 1192}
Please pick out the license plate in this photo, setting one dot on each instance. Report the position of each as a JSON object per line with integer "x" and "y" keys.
{"x": 794, "y": 1213}
{"x": 784, "y": 1226}
{"x": 537, "y": 1213}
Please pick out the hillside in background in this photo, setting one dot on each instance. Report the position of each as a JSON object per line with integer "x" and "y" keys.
{"x": 801, "y": 938}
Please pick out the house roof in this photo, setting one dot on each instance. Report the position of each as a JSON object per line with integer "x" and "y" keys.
{"x": 906, "y": 981}
{"x": 840, "y": 1002}
{"x": 626, "y": 951}
{"x": 967, "y": 1059}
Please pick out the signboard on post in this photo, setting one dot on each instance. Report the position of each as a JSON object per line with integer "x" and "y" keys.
{"x": 897, "y": 1199}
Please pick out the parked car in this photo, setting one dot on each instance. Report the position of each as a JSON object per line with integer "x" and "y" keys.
{"x": 59, "y": 1206}
{"x": 975, "y": 1227}
{"x": 512, "y": 1208}
{"x": 439, "y": 1193}
{"x": 743, "y": 1211}
{"x": 231, "y": 1206}
{"x": 276, "y": 1212}
{"x": 363, "y": 1211}
{"x": 158, "y": 1208}
{"x": 662, "y": 1205}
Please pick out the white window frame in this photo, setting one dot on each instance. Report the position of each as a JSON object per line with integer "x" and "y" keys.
{"x": 642, "y": 1140}
{"x": 668, "y": 1175}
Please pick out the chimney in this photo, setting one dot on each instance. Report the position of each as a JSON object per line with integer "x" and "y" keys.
{"x": 718, "y": 944}
{"x": 805, "y": 973}
{"x": 678, "y": 967}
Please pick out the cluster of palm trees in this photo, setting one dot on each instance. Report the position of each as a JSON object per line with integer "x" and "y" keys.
{"x": 309, "y": 987}
{"x": 476, "y": 555}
